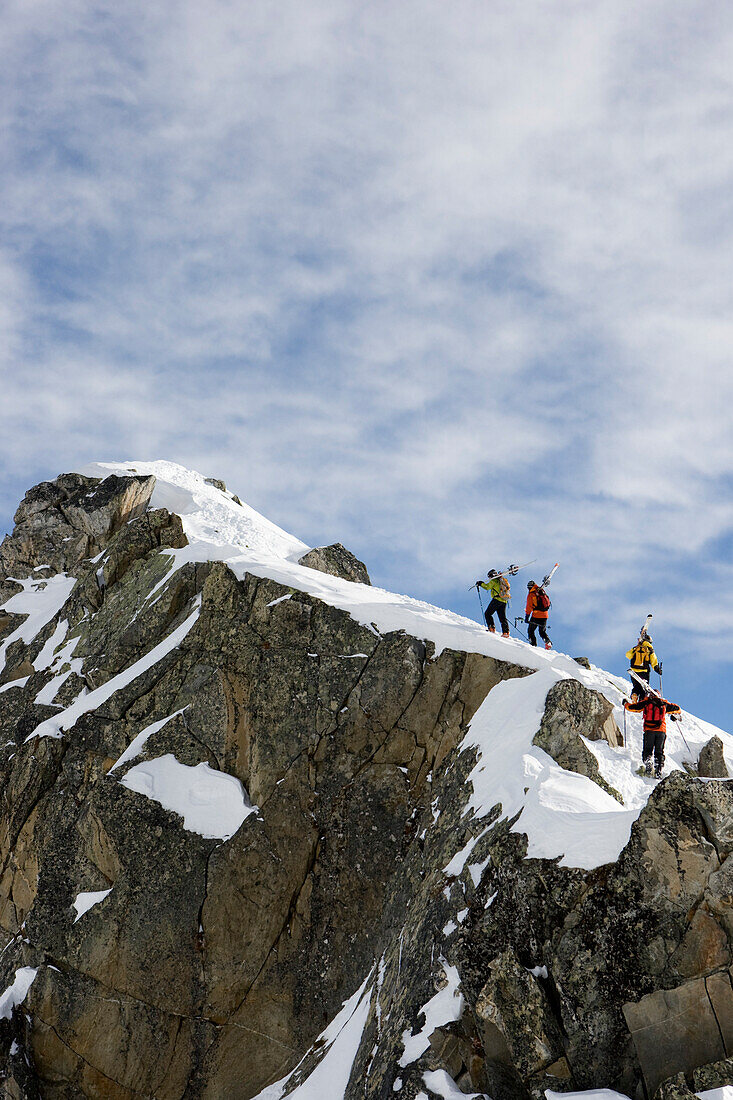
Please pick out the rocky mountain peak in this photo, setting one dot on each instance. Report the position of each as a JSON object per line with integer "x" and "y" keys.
{"x": 268, "y": 830}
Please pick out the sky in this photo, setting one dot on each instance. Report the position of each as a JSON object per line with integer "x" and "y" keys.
{"x": 447, "y": 283}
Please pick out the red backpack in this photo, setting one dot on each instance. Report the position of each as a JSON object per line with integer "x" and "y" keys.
{"x": 654, "y": 712}
{"x": 542, "y": 601}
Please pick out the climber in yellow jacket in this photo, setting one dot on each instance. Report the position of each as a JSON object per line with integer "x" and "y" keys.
{"x": 642, "y": 659}
{"x": 499, "y": 589}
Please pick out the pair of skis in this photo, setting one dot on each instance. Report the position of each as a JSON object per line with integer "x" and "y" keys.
{"x": 648, "y": 689}
{"x": 512, "y": 570}
{"x": 546, "y": 579}
{"x": 642, "y": 636}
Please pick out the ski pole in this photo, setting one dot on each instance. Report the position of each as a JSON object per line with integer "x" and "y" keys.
{"x": 679, "y": 720}
{"x": 517, "y": 627}
{"x": 481, "y": 603}
{"x": 685, "y": 740}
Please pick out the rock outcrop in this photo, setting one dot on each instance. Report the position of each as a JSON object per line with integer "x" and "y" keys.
{"x": 158, "y": 946}
{"x": 61, "y": 523}
{"x": 572, "y": 712}
{"x": 711, "y": 762}
{"x": 337, "y": 561}
{"x": 220, "y": 956}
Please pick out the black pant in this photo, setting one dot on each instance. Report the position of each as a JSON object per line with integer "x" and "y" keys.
{"x": 654, "y": 743}
{"x": 534, "y": 626}
{"x": 498, "y": 606}
{"x": 643, "y": 674}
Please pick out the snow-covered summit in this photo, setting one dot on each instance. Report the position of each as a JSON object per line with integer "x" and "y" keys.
{"x": 216, "y": 521}
{"x": 220, "y": 528}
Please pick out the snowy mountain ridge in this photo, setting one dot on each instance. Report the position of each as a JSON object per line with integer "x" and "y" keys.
{"x": 218, "y": 528}
{"x": 328, "y": 794}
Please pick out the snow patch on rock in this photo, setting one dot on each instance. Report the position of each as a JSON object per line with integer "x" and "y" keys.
{"x": 54, "y": 727}
{"x": 442, "y": 1084}
{"x": 84, "y": 901}
{"x": 444, "y": 1008}
{"x": 40, "y": 601}
{"x": 137, "y": 744}
{"x": 16, "y": 993}
{"x": 211, "y": 803}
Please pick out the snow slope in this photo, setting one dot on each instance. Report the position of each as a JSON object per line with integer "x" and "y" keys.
{"x": 563, "y": 814}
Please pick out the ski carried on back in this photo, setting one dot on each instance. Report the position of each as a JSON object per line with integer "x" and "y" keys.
{"x": 546, "y": 580}
{"x": 645, "y": 625}
{"x": 648, "y": 690}
{"x": 510, "y": 571}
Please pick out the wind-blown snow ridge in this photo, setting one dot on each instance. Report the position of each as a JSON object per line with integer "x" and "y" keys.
{"x": 210, "y": 516}
{"x": 563, "y": 814}
{"x": 218, "y": 529}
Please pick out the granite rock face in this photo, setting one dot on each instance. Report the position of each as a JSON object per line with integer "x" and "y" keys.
{"x": 208, "y": 965}
{"x": 61, "y": 523}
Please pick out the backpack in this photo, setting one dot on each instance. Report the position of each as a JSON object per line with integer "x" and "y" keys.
{"x": 504, "y": 589}
{"x": 542, "y": 601}
{"x": 641, "y": 657}
{"x": 654, "y": 712}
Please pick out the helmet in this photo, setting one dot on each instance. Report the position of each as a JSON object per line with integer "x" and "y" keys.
{"x": 492, "y": 573}
{"x": 530, "y": 584}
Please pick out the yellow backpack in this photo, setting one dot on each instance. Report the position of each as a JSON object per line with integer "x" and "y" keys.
{"x": 641, "y": 655}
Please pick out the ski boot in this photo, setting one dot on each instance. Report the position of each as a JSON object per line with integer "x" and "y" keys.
{"x": 657, "y": 773}
{"x": 647, "y": 767}
{"x": 505, "y": 634}
{"x": 548, "y": 645}
{"x": 492, "y": 630}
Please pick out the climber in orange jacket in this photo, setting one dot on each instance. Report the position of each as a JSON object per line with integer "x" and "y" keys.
{"x": 536, "y": 613}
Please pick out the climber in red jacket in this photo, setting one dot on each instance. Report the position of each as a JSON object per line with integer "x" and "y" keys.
{"x": 655, "y": 710}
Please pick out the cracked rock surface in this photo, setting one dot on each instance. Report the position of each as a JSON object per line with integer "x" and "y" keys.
{"x": 208, "y": 967}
